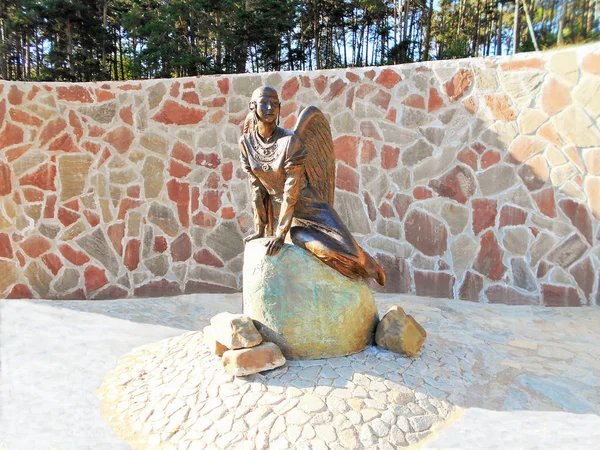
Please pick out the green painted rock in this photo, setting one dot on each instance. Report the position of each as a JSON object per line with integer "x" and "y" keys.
{"x": 304, "y": 306}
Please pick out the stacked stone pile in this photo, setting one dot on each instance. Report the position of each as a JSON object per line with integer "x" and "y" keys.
{"x": 235, "y": 338}
{"x": 400, "y": 333}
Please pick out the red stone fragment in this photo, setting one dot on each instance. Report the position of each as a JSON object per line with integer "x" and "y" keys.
{"x": 489, "y": 158}
{"x": 346, "y": 178}
{"x": 50, "y": 207}
{"x": 121, "y": 138}
{"x": 53, "y": 262}
{"x": 64, "y": 144}
{"x": 422, "y": 193}
{"x": 104, "y": 96}
{"x": 287, "y": 109}
{"x": 426, "y": 233}
{"x": 210, "y": 160}
{"x": 22, "y": 117}
{"x": 489, "y": 260}
{"x": 227, "y": 171}
{"x": 371, "y": 210}
{"x": 484, "y": 214}
{"x": 388, "y": 78}
{"x": 509, "y": 296}
{"x": 218, "y": 102}
{"x": 435, "y": 102}
{"x": 162, "y": 288}
{"x": 459, "y": 84}
{"x": 74, "y": 94}
{"x": 131, "y": 259}
{"x": 368, "y": 152}
{"x": 195, "y": 198}
{"x": 126, "y": 115}
{"x": 181, "y": 248}
{"x": 560, "y": 296}
{"x": 381, "y": 99}
{"x": 346, "y": 149}
{"x": 6, "y": 250}
{"x": 500, "y": 106}
{"x": 579, "y": 217}
{"x": 42, "y": 178}
{"x": 67, "y": 217}
{"x": 389, "y": 157}
{"x": 95, "y": 278}
{"x": 368, "y": 129}
{"x": 511, "y": 215}
{"x": 191, "y": 97}
{"x": 91, "y": 147}
{"x": 31, "y": 194}
{"x": 182, "y": 152}
{"x": 5, "y": 179}
{"x": 111, "y": 293}
{"x": 92, "y": 218}
{"x": 212, "y": 200}
{"x": 173, "y": 113}
{"x": 335, "y": 89}
{"x": 160, "y": 244}
{"x": 351, "y": 77}
{"x": 16, "y": 152}
{"x": 391, "y": 115}
{"x": 320, "y": 83}
{"x": 15, "y": 95}
{"x": 133, "y": 191}
{"x": 11, "y": 135}
{"x": 130, "y": 87}
{"x": 434, "y": 284}
{"x": 223, "y": 85}
{"x": 74, "y": 256}
{"x": 468, "y": 157}
{"x": 290, "y": 88}
{"x": 20, "y": 291}
{"x": 386, "y": 210}
{"x": 126, "y": 205}
{"x": 415, "y": 101}
{"x": 216, "y": 117}
{"x": 350, "y": 97}
{"x": 545, "y": 201}
{"x": 21, "y": 258}
{"x": 116, "y": 232}
{"x": 364, "y": 90}
{"x": 529, "y": 63}
{"x": 35, "y": 246}
{"x": 95, "y": 131}
{"x": 73, "y": 205}
{"x": 402, "y": 202}
{"x": 458, "y": 184}
{"x": 178, "y": 170}
{"x": 212, "y": 182}
{"x": 180, "y": 194}
{"x": 471, "y": 288}
{"x": 204, "y": 220}
{"x": 228, "y": 213}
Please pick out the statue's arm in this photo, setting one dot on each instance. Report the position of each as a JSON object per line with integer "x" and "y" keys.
{"x": 259, "y": 195}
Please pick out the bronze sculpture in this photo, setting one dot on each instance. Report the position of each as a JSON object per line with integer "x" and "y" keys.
{"x": 294, "y": 172}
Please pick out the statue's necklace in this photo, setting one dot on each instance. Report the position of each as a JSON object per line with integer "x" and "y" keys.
{"x": 265, "y": 153}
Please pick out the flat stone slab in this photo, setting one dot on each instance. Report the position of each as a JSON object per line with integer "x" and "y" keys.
{"x": 304, "y": 306}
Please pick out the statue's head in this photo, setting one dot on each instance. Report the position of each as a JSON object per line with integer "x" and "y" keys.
{"x": 265, "y": 104}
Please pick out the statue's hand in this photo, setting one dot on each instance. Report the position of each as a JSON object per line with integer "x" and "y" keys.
{"x": 256, "y": 235}
{"x": 275, "y": 245}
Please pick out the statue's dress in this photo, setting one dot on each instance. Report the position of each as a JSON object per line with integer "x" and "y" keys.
{"x": 312, "y": 222}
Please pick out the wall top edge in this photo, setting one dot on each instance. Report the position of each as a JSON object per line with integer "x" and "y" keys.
{"x": 580, "y": 49}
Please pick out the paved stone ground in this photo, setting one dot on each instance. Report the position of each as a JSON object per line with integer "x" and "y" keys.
{"x": 489, "y": 376}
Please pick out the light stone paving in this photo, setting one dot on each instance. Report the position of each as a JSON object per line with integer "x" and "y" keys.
{"x": 493, "y": 358}
{"x": 509, "y": 377}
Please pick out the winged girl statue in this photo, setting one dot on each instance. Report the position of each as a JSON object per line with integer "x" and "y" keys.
{"x": 292, "y": 177}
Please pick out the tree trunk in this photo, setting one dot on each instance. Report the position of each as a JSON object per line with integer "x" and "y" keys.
{"x": 218, "y": 43}
{"x": 104, "y": 24}
{"x": 476, "y": 34}
{"x": 245, "y": 44}
{"x": 316, "y": 37}
{"x": 428, "y": 32}
{"x": 561, "y": 25}
{"x": 499, "y": 35}
{"x": 121, "y": 53}
{"x": 530, "y": 26}
{"x": 517, "y": 27}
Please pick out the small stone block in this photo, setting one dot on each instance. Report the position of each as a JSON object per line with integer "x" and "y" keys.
{"x": 235, "y": 330}
{"x": 215, "y": 347}
{"x": 400, "y": 333}
{"x": 248, "y": 361}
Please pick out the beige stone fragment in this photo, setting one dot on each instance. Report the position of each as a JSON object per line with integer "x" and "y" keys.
{"x": 153, "y": 173}
{"x": 235, "y": 330}
{"x": 554, "y": 156}
{"x": 576, "y": 128}
{"x": 5, "y": 223}
{"x": 214, "y": 346}
{"x": 123, "y": 177}
{"x": 530, "y": 120}
{"x": 9, "y": 274}
{"x": 9, "y": 207}
{"x": 38, "y": 278}
{"x": 516, "y": 240}
{"x": 156, "y": 94}
{"x": 117, "y": 162}
{"x": 155, "y": 143}
{"x": 587, "y": 95}
{"x": 134, "y": 223}
{"x": 560, "y": 174}
{"x": 592, "y": 190}
{"x": 564, "y": 63}
{"x": 100, "y": 184}
{"x": 485, "y": 79}
{"x": 107, "y": 216}
{"x": 73, "y": 231}
{"x": 591, "y": 158}
{"x": 40, "y": 110}
{"x": 207, "y": 139}
{"x": 247, "y": 361}
{"x": 73, "y": 173}
{"x": 573, "y": 190}
{"x": 344, "y": 123}
{"x": 27, "y": 162}
{"x": 399, "y": 332}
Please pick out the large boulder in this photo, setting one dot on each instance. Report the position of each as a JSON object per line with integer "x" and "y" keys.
{"x": 247, "y": 361}
{"x": 307, "y": 308}
{"x": 400, "y": 333}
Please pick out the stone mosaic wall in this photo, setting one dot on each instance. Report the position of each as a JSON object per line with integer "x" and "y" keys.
{"x": 475, "y": 179}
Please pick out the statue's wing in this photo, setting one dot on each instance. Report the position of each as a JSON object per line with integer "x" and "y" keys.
{"x": 312, "y": 127}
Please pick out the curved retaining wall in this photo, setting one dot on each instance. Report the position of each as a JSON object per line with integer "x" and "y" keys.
{"x": 474, "y": 179}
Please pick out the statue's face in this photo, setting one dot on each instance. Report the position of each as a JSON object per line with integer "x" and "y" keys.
{"x": 267, "y": 107}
